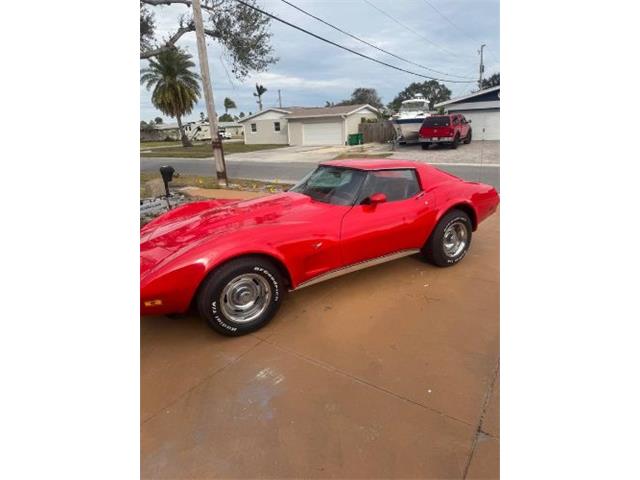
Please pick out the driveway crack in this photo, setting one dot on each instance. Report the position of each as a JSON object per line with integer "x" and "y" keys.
{"x": 483, "y": 412}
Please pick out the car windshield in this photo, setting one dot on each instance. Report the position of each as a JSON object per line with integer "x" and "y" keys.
{"x": 436, "y": 121}
{"x": 335, "y": 185}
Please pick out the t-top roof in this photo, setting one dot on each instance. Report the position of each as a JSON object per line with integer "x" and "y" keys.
{"x": 372, "y": 163}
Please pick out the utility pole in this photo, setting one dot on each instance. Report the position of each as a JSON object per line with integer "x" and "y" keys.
{"x": 481, "y": 51}
{"x": 216, "y": 143}
{"x": 279, "y": 99}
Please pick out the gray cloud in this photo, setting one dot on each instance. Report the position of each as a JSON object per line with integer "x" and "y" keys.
{"x": 311, "y": 72}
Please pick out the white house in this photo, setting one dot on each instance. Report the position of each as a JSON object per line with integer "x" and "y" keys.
{"x": 306, "y": 125}
{"x": 482, "y": 108}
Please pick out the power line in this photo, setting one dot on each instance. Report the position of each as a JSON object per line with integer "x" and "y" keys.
{"x": 349, "y": 49}
{"x": 411, "y": 29}
{"x": 371, "y": 44}
{"x": 227, "y": 72}
{"x": 456, "y": 26}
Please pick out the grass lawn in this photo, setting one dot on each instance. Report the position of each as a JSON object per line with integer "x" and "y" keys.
{"x": 161, "y": 143}
{"x": 201, "y": 150}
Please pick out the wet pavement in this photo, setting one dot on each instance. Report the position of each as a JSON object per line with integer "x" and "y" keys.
{"x": 389, "y": 372}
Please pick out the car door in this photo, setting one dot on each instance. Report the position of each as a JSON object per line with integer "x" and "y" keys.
{"x": 374, "y": 230}
{"x": 464, "y": 127}
{"x": 455, "y": 124}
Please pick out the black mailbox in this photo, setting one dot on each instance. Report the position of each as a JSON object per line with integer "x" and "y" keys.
{"x": 167, "y": 172}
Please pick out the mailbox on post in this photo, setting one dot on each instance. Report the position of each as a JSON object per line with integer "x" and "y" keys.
{"x": 167, "y": 172}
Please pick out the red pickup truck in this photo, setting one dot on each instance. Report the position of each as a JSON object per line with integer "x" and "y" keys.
{"x": 449, "y": 129}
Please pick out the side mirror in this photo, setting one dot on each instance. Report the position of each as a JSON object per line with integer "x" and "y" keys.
{"x": 376, "y": 198}
{"x": 468, "y": 121}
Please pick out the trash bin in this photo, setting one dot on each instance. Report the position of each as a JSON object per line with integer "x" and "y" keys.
{"x": 355, "y": 139}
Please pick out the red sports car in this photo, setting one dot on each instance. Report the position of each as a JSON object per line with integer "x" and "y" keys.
{"x": 234, "y": 260}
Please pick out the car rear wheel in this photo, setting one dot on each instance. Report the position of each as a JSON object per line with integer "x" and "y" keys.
{"x": 467, "y": 139}
{"x": 455, "y": 142}
{"x": 241, "y": 296}
{"x": 425, "y": 146}
{"x": 450, "y": 240}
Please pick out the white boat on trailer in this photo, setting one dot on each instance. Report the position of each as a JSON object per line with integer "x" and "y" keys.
{"x": 409, "y": 118}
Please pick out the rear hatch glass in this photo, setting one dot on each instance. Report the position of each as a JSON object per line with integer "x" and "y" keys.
{"x": 436, "y": 121}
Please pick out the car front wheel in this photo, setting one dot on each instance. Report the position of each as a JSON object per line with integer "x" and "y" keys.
{"x": 450, "y": 240}
{"x": 455, "y": 142}
{"x": 467, "y": 139}
{"x": 425, "y": 146}
{"x": 241, "y": 296}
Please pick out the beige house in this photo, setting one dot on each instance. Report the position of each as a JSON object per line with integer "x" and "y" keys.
{"x": 306, "y": 126}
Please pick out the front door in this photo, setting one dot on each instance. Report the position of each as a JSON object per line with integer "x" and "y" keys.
{"x": 399, "y": 223}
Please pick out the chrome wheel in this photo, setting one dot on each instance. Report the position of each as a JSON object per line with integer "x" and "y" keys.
{"x": 245, "y": 298}
{"x": 455, "y": 239}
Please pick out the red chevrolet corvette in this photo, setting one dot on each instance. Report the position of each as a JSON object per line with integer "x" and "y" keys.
{"x": 234, "y": 261}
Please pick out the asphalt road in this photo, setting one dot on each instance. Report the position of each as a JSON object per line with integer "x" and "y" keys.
{"x": 292, "y": 172}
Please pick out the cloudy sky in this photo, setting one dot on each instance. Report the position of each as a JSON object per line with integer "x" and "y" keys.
{"x": 311, "y": 72}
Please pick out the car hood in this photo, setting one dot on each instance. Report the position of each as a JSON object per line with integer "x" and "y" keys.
{"x": 189, "y": 229}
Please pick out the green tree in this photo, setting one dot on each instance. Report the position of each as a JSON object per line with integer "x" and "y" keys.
{"x": 147, "y": 27}
{"x": 432, "y": 90}
{"x": 362, "y": 96}
{"x": 175, "y": 86}
{"x": 158, "y": 120}
{"x": 492, "y": 81}
{"x": 229, "y": 105}
{"x": 241, "y": 115}
{"x": 260, "y": 90}
{"x": 225, "y": 117}
{"x": 242, "y": 31}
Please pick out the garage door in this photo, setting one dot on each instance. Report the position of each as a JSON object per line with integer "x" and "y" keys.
{"x": 486, "y": 125}
{"x": 328, "y": 133}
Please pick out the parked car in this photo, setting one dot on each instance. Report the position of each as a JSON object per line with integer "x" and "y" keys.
{"x": 225, "y": 135}
{"x": 448, "y": 129}
{"x": 234, "y": 260}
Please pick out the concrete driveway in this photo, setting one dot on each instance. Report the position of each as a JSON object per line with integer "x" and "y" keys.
{"x": 390, "y": 372}
{"x": 485, "y": 153}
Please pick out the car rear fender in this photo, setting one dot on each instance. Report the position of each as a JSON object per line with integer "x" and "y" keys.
{"x": 460, "y": 204}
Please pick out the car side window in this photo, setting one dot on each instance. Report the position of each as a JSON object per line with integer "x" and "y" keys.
{"x": 455, "y": 120}
{"x": 397, "y": 185}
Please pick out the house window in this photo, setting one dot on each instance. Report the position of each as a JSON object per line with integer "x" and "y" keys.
{"x": 254, "y": 128}
{"x": 276, "y": 126}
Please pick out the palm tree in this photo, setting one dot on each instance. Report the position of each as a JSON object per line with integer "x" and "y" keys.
{"x": 175, "y": 86}
{"x": 260, "y": 90}
{"x": 229, "y": 105}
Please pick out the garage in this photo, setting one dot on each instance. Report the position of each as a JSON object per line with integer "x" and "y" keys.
{"x": 482, "y": 108}
{"x": 485, "y": 124}
{"x": 327, "y": 133}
